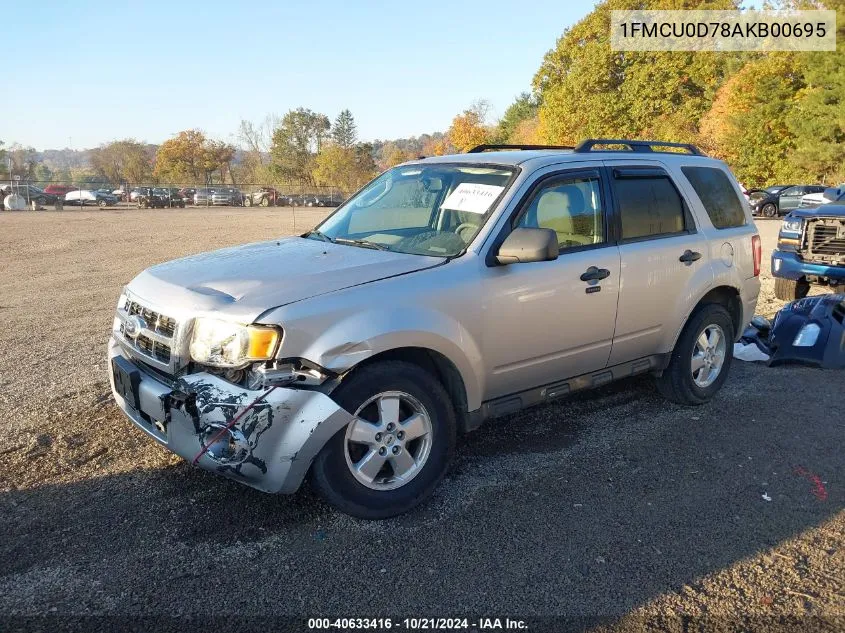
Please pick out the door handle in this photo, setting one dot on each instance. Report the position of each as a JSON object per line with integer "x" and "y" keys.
{"x": 595, "y": 274}
{"x": 689, "y": 257}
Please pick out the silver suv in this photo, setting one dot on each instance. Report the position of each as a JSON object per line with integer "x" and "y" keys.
{"x": 449, "y": 290}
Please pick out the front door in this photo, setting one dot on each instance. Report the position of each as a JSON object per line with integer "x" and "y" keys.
{"x": 791, "y": 198}
{"x": 543, "y": 321}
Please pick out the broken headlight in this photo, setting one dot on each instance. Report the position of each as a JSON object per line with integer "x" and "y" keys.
{"x": 224, "y": 344}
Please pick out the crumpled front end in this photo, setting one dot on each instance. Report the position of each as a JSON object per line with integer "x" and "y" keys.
{"x": 270, "y": 447}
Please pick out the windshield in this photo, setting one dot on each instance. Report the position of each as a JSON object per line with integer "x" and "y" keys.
{"x": 420, "y": 209}
{"x": 775, "y": 189}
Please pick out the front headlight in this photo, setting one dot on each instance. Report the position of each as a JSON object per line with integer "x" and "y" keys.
{"x": 224, "y": 344}
{"x": 807, "y": 335}
{"x": 791, "y": 225}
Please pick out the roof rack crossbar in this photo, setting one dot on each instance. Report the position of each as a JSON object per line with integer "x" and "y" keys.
{"x": 491, "y": 147}
{"x": 635, "y": 145}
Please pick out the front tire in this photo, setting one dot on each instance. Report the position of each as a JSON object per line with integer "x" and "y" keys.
{"x": 769, "y": 210}
{"x": 702, "y": 357}
{"x": 791, "y": 289}
{"x": 398, "y": 448}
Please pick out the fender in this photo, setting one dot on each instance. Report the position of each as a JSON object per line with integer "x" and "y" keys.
{"x": 364, "y": 334}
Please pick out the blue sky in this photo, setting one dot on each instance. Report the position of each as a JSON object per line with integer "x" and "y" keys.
{"x": 92, "y": 72}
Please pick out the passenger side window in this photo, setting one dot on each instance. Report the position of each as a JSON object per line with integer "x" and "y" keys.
{"x": 717, "y": 195}
{"x": 572, "y": 208}
{"x": 649, "y": 205}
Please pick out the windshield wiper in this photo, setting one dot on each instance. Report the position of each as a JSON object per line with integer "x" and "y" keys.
{"x": 319, "y": 234}
{"x": 364, "y": 243}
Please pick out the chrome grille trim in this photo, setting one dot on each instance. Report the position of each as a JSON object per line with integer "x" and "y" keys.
{"x": 159, "y": 340}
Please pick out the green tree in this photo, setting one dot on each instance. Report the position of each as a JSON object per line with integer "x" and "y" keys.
{"x": 588, "y": 90}
{"x": 122, "y": 161}
{"x": 23, "y": 160}
{"x": 345, "y": 132}
{"x": 747, "y": 123}
{"x": 817, "y": 119}
{"x": 296, "y": 141}
{"x": 345, "y": 167}
{"x": 524, "y": 108}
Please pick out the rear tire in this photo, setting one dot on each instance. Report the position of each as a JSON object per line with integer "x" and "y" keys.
{"x": 680, "y": 383}
{"x": 333, "y": 473}
{"x": 265, "y": 202}
{"x": 247, "y": 202}
{"x": 791, "y": 289}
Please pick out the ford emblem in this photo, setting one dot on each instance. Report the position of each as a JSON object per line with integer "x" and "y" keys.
{"x": 132, "y": 326}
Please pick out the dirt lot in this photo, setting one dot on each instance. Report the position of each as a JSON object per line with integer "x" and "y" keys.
{"x": 609, "y": 509}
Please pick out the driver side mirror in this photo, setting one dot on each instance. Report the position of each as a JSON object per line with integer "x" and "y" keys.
{"x": 525, "y": 245}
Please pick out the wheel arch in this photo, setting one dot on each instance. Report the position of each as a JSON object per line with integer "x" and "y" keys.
{"x": 435, "y": 363}
{"x": 727, "y": 296}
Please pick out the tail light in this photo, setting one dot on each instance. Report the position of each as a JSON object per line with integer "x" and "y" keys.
{"x": 757, "y": 250}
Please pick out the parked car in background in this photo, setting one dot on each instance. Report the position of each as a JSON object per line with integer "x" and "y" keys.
{"x": 31, "y": 193}
{"x": 84, "y": 197}
{"x": 139, "y": 191}
{"x": 202, "y": 196}
{"x": 226, "y": 196}
{"x": 59, "y": 190}
{"x": 829, "y": 195}
{"x": 810, "y": 251}
{"x": 778, "y": 200}
{"x": 188, "y": 194}
{"x": 264, "y": 197}
{"x": 121, "y": 194}
{"x": 161, "y": 198}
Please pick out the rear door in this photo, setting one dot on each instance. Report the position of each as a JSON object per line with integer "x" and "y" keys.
{"x": 663, "y": 258}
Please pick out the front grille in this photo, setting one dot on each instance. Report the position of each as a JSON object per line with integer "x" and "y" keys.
{"x": 155, "y": 321}
{"x": 825, "y": 240}
{"x": 155, "y": 342}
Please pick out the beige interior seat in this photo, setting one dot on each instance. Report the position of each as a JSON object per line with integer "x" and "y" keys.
{"x": 556, "y": 210}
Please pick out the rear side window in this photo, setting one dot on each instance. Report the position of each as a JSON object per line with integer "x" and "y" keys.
{"x": 649, "y": 206}
{"x": 717, "y": 195}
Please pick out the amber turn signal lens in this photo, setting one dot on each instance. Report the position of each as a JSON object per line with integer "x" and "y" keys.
{"x": 262, "y": 342}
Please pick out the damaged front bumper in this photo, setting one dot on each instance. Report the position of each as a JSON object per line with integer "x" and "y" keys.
{"x": 269, "y": 448}
{"x": 790, "y": 265}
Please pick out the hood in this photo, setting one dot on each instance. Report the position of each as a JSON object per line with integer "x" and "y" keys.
{"x": 832, "y": 210}
{"x": 245, "y": 281}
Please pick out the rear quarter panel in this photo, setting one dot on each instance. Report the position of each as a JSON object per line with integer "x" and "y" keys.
{"x": 730, "y": 250}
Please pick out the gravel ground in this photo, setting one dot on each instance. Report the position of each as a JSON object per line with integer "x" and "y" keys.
{"x": 610, "y": 510}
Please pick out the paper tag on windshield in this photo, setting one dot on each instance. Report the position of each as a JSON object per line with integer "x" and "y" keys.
{"x": 471, "y": 197}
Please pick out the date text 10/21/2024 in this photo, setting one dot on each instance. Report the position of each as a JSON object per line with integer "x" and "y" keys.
{"x": 418, "y": 624}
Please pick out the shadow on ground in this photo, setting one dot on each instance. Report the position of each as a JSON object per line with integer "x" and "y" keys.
{"x": 588, "y": 507}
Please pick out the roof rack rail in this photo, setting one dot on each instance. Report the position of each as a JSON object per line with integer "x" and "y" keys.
{"x": 635, "y": 145}
{"x": 486, "y": 148}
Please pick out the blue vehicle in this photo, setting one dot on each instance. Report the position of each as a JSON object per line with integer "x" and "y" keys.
{"x": 810, "y": 250}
